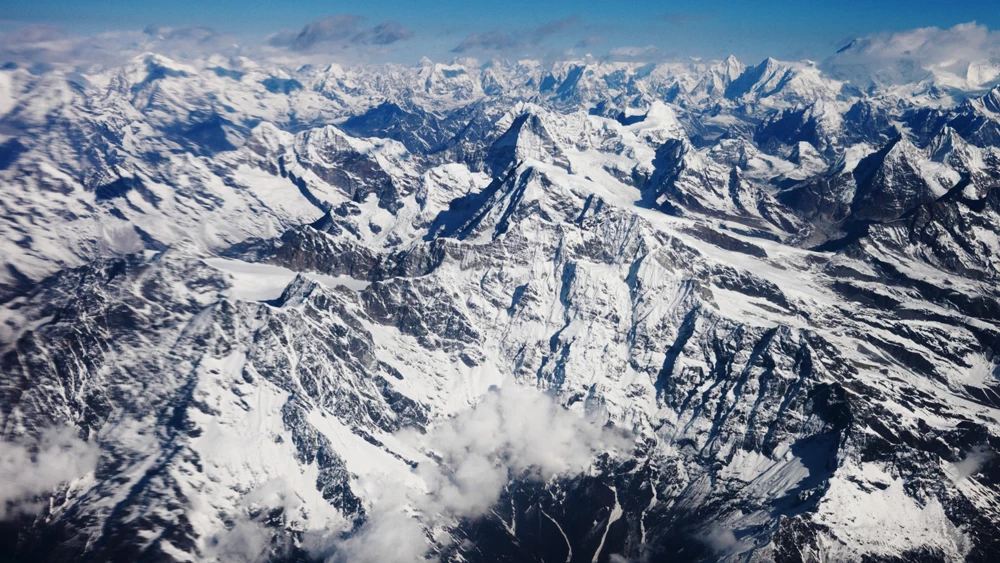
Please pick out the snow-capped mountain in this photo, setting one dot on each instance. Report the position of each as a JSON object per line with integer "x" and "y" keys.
{"x": 512, "y": 311}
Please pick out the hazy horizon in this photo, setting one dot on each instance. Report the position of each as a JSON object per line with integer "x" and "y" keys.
{"x": 56, "y": 31}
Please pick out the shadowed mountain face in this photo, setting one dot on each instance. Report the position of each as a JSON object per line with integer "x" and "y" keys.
{"x": 262, "y": 314}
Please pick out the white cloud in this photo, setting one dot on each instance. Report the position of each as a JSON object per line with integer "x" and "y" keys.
{"x": 32, "y": 468}
{"x": 50, "y": 45}
{"x": 649, "y": 51}
{"x": 973, "y": 462}
{"x": 389, "y": 536}
{"x": 41, "y": 46}
{"x": 514, "y": 433}
{"x": 720, "y": 539}
{"x": 248, "y": 540}
{"x": 966, "y": 53}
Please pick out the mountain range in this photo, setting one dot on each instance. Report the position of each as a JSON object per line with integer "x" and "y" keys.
{"x": 505, "y": 311}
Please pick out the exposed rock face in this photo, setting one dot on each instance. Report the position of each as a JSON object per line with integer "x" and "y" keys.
{"x": 792, "y": 313}
{"x": 895, "y": 180}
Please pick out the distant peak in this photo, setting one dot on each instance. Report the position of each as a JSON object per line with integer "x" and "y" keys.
{"x": 848, "y": 47}
{"x": 769, "y": 62}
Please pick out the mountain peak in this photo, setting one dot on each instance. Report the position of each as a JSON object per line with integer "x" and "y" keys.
{"x": 526, "y": 138}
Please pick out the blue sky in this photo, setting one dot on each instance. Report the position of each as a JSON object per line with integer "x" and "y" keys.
{"x": 710, "y": 28}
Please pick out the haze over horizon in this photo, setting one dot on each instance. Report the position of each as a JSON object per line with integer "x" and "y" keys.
{"x": 99, "y": 31}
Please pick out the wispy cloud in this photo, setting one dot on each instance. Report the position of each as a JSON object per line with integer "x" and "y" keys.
{"x": 389, "y": 536}
{"x": 31, "y": 468}
{"x": 40, "y": 45}
{"x": 340, "y": 30}
{"x": 589, "y": 41}
{"x": 973, "y": 462}
{"x": 635, "y": 53}
{"x": 546, "y": 30}
{"x": 385, "y": 33}
{"x": 489, "y": 41}
{"x": 44, "y": 45}
{"x": 250, "y": 539}
{"x": 195, "y": 33}
{"x": 37, "y": 44}
{"x": 475, "y": 454}
{"x": 720, "y": 539}
{"x": 506, "y": 40}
